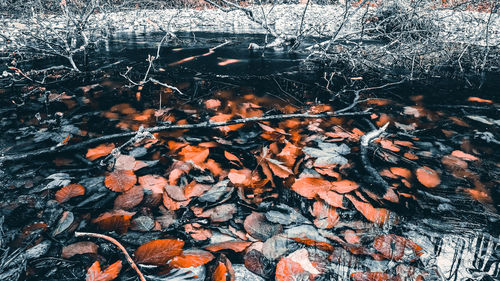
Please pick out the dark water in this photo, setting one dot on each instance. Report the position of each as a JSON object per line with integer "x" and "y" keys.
{"x": 459, "y": 232}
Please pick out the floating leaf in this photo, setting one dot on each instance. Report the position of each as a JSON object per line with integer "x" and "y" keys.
{"x": 310, "y": 187}
{"x": 464, "y": 156}
{"x": 99, "y": 151}
{"x": 191, "y": 258}
{"x": 375, "y": 215}
{"x": 158, "y": 252}
{"x": 94, "y": 272}
{"x": 120, "y": 180}
{"x": 69, "y": 191}
{"x": 428, "y": 177}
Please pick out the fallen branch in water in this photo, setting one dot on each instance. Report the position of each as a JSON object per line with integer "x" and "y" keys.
{"x": 120, "y": 246}
{"x": 91, "y": 142}
{"x": 377, "y": 180}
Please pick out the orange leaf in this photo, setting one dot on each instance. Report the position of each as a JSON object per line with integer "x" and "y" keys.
{"x": 428, "y": 177}
{"x": 278, "y": 168}
{"x": 158, "y": 252}
{"x": 464, "y": 156}
{"x": 332, "y": 198}
{"x": 231, "y": 157}
{"x": 225, "y": 117}
{"x": 289, "y": 270}
{"x": 99, "y": 151}
{"x": 395, "y": 247}
{"x": 236, "y": 245}
{"x": 326, "y": 216}
{"x": 228, "y": 61}
{"x": 66, "y": 193}
{"x": 191, "y": 258}
{"x": 194, "y": 153}
{"x": 212, "y": 104}
{"x": 310, "y": 187}
{"x": 120, "y": 180}
{"x": 289, "y": 153}
{"x": 375, "y": 215}
{"x": 117, "y": 220}
{"x": 94, "y": 272}
{"x": 344, "y": 186}
{"x": 476, "y": 99}
{"x": 220, "y": 273}
{"x": 241, "y": 177}
{"x": 402, "y": 172}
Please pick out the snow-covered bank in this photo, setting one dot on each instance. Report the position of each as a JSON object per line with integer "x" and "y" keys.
{"x": 320, "y": 21}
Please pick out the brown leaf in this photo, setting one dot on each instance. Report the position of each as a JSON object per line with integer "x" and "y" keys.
{"x": 220, "y": 213}
{"x": 120, "y": 180}
{"x": 158, "y": 252}
{"x": 153, "y": 182}
{"x": 66, "y": 193}
{"x": 129, "y": 199}
{"x": 191, "y": 258}
{"x": 259, "y": 227}
{"x": 99, "y": 151}
{"x": 94, "y": 272}
{"x": 79, "y": 248}
{"x": 310, "y": 187}
{"x": 428, "y": 177}
{"x": 241, "y": 177}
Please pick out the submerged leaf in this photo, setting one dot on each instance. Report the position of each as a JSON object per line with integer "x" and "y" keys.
{"x": 158, "y": 252}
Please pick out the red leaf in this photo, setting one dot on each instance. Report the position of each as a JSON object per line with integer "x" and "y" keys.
{"x": 66, "y": 193}
{"x": 158, "y": 252}
{"x": 94, "y": 272}
{"x": 120, "y": 180}
{"x": 100, "y": 151}
{"x": 310, "y": 187}
{"x": 428, "y": 177}
{"x": 191, "y": 258}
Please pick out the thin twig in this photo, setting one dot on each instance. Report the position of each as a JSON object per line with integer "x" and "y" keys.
{"x": 91, "y": 142}
{"x": 120, "y": 246}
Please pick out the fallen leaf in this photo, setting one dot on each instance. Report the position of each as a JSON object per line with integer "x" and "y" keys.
{"x": 158, "y": 252}
{"x": 228, "y": 61}
{"x": 402, "y": 172}
{"x": 464, "y": 156}
{"x": 373, "y": 276}
{"x": 212, "y": 104}
{"x": 120, "y": 180}
{"x": 310, "y": 187}
{"x": 428, "y": 177}
{"x": 130, "y": 198}
{"x": 259, "y": 227}
{"x": 117, "y": 220}
{"x": 241, "y": 177}
{"x": 396, "y": 247}
{"x": 476, "y": 99}
{"x": 344, "y": 186}
{"x": 191, "y": 258}
{"x": 94, "y": 272}
{"x": 79, "y": 248}
{"x": 194, "y": 153}
{"x": 69, "y": 191}
{"x": 375, "y": 215}
{"x": 235, "y": 245}
{"x": 326, "y": 216}
{"x": 99, "y": 151}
